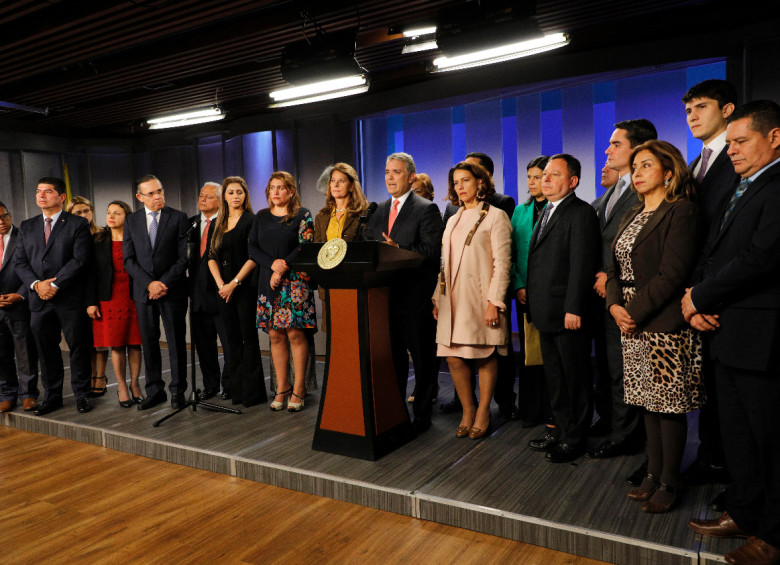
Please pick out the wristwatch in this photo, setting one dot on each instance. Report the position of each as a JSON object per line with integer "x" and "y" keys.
{"x": 238, "y": 282}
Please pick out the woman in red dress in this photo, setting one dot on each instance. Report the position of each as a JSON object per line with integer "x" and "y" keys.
{"x": 114, "y": 319}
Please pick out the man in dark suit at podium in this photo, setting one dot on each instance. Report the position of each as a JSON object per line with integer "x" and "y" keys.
{"x": 155, "y": 256}
{"x": 707, "y": 108}
{"x": 504, "y": 393}
{"x": 52, "y": 253}
{"x": 18, "y": 357}
{"x": 206, "y": 322}
{"x": 411, "y": 222}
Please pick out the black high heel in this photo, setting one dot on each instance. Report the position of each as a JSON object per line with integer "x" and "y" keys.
{"x": 98, "y": 390}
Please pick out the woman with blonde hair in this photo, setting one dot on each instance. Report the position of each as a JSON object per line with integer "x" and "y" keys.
{"x": 285, "y": 303}
{"x": 344, "y": 204}
{"x": 653, "y": 256}
{"x": 235, "y": 278}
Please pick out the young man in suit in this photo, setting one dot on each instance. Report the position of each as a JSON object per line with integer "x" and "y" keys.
{"x": 411, "y": 222}
{"x": 206, "y": 322}
{"x": 736, "y": 303}
{"x": 155, "y": 257}
{"x": 504, "y": 394}
{"x": 52, "y": 253}
{"x": 18, "y": 358}
{"x": 620, "y": 421}
{"x": 707, "y": 108}
{"x": 562, "y": 262}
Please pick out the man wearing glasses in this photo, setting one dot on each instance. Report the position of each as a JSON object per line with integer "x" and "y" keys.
{"x": 155, "y": 256}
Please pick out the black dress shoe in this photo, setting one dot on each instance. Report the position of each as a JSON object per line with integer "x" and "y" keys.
{"x": 47, "y": 407}
{"x": 420, "y": 425}
{"x": 177, "y": 401}
{"x": 544, "y": 443}
{"x": 718, "y": 504}
{"x": 208, "y": 393}
{"x": 151, "y": 401}
{"x": 635, "y": 478}
{"x": 83, "y": 405}
{"x": 225, "y": 395}
{"x": 564, "y": 453}
{"x": 605, "y": 450}
{"x": 453, "y": 405}
{"x": 701, "y": 473}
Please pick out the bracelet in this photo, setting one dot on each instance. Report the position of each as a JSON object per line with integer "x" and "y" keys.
{"x": 238, "y": 282}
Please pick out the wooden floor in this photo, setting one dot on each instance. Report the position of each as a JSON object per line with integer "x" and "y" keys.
{"x": 66, "y": 502}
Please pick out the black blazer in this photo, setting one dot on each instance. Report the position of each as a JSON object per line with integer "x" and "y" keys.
{"x": 738, "y": 277}
{"x": 66, "y": 256}
{"x": 609, "y": 226}
{"x": 417, "y": 228}
{"x": 501, "y": 201}
{"x": 663, "y": 257}
{"x": 203, "y": 299}
{"x": 166, "y": 263}
{"x": 718, "y": 184}
{"x": 102, "y": 270}
{"x": 562, "y": 265}
{"x": 10, "y": 283}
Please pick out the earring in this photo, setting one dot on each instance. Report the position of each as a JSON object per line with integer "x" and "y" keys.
{"x": 666, "y": 182}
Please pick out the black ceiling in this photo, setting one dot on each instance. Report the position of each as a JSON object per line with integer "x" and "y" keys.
{"x": 101, "y": 67}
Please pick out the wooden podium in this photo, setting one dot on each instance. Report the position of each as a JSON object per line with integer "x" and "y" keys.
{"x": 362, "y": 412}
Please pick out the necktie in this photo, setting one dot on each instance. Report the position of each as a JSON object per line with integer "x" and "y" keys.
{"x": 743, "y": 184}
{"x": 614, "y": 197}
{"x": 393, "y": 216}
{"x": 705, "y": 159}
{"x": 153, "y": 228}
{"x": 47, "y": 231}
{"x": 204, "y": 239}
{"x": 2, "y": 250}
{"x": 545, "y": 217}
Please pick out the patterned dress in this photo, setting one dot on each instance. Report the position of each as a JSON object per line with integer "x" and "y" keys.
{"x": 291, "y": 305}
{"x": 661, "y": 371}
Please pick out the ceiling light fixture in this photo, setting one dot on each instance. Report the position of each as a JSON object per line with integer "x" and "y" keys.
{"x": 418, "y": 31}
{"x": 417, "y": 46}
{"x": 501, "y": 54}
{"x": 202, "y": 116}
{"x": 318, "y": 91}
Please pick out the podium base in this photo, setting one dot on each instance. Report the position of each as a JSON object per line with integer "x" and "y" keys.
{"x": 363, "y": 447}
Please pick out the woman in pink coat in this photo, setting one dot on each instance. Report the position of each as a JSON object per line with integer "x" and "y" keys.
{"x": 469, "y": 299}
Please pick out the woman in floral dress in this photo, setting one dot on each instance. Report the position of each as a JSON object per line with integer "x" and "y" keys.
{"x": 285, "y": 303}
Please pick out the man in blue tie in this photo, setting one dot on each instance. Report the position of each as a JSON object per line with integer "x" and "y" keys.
{"x": 736, "y": 303}
{"x": 155, "y": 256}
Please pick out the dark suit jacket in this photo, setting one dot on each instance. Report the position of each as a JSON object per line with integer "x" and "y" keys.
{"x": 717, "y": 185}
{"x": 609, "y": 226}
{"x": 502, "y": 201}
{"x": 663, "y": 257}
{"x": 101, "y": 273}
{"x": 417, "y": 228}
{"x": 322, "y": 219}
{"x": 203, "y": 293}
{"x": 166, "y": 263}
{"x": 66, "y": 256}
{"x": 739, "y": 278}
{"x": 562, "y": 265}
{"x": 11, "y": 283}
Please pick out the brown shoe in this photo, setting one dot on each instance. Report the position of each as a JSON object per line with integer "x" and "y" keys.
{"x": 754, "y": 552}
{"x": 7, "y": 405}
{"x": 721, "y": 527}
{"x": 29, "y": 404}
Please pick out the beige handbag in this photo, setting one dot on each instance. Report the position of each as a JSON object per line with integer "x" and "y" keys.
{"x": 533, "y": 350}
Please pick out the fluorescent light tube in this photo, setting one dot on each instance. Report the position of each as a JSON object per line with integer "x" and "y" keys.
{"x": 322, "y": 87}
{"x": 214, "y": 113}
{"x": 501, "y": 54}
{"x": 417, "y": 47}
{"x": 320, "y": 97}
{"x": 416, "y": 32}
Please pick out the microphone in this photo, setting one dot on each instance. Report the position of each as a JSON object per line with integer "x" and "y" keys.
{"x": 192, "y": 227}
{"x": 364, "y": 220}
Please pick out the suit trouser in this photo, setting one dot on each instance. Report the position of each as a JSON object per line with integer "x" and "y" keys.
{"x": 46, "y": 325}
{"x": 566, "y": 357}
{"x": 18, "y": 377}
{"x": 205, "y": 329}
{"x": 750, "y": 424}
{"x": 416, "y": 334}
{"x": 711, "y": 442}
{"x": 173, "y": 314}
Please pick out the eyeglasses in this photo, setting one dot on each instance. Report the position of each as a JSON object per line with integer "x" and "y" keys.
{"x": 152, "y": 194}
{"x": 4, "y": 217}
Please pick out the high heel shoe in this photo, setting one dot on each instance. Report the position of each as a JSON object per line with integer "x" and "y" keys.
{"x": 136, "y": 399}
{"x": 645, "y": 490}
{"x": 98, "y": 390}
{"x": 479, "y": 433}
{"x": 276, "y": 406}
{"x": 663, "y": 500}
{"x": 462, "y": 431}
{"x": 295, "y": 406}
{"x": 126, "y": 403}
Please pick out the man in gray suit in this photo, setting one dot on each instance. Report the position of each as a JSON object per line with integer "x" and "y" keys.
{"x": 621, "y": 420}
{"x": 19, "y": 376}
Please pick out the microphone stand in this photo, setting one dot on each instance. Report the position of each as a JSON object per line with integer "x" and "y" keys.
{"x": 194, "y": 400}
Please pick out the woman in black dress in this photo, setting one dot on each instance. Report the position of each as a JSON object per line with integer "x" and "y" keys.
{"x": 229, "y": 261}
{"x": 285, "y": 302}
